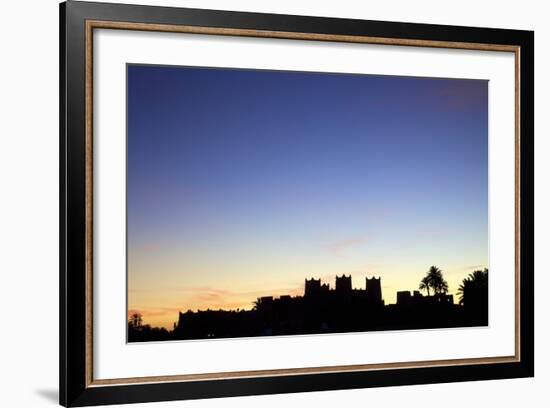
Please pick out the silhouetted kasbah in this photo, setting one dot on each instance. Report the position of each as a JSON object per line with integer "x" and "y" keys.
{"x": 323, "y": 310}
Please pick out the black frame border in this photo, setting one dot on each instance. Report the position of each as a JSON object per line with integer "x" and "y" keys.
{"x": 72, "y": 125}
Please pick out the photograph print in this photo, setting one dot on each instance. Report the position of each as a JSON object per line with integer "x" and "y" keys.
{"x": 266, "y": 203}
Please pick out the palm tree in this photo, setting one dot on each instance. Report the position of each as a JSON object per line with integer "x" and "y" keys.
{"x": 474, "y": 288}
{"x": 441, "y": 285}
{"x": 434, "y": 280}
{"x": 425, "y": 285}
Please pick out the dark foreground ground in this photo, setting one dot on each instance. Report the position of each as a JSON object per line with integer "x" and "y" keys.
{"x": 302, "y": 315}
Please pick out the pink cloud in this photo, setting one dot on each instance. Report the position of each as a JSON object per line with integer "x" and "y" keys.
{"x": 340, "y": 247}
{"x": 204, "y": 297}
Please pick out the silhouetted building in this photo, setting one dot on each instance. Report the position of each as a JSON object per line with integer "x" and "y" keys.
{"x": 443, "y": 298}
{"x": 265, "y": 303}
{"x": 343, "y": 284}
{"x": 320, "y": 310}
{"x": 374, "y": 290}
{"x": 313, "y": 287}
{"x": 404, "y": 297}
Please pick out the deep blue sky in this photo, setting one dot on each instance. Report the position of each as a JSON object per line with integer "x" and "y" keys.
{"x": 247, "y": 179}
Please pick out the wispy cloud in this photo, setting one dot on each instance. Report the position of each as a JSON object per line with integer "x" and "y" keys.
{"x": 204, "y": 297}
{"x": 148, "y": 312}
{"x": 341, "y": 247}
{"x": 474, "y": 267}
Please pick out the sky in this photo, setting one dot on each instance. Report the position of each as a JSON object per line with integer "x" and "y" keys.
{"x": 242, "y": 183}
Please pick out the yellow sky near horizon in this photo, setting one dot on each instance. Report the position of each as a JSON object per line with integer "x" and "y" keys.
{"x": 160, "y": 305}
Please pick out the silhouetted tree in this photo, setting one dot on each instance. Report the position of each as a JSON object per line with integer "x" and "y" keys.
{"x": 434, "y": 280}
{"x": 425, "y": 285}
{"x": 256, "y": 304}
{"x": 136, "y": 320}
{"x": 474, "y": 289}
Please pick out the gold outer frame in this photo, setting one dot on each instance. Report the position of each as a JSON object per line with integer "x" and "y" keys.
{"x": 101, "y": 24}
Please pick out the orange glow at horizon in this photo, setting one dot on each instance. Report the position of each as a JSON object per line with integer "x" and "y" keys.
{"x": 163, "y": 311}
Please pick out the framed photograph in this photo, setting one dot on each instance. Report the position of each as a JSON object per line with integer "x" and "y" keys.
{"x": 256, "y": 203}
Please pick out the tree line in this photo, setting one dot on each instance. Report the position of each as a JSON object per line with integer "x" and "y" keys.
{"x": 472, "y": 291}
